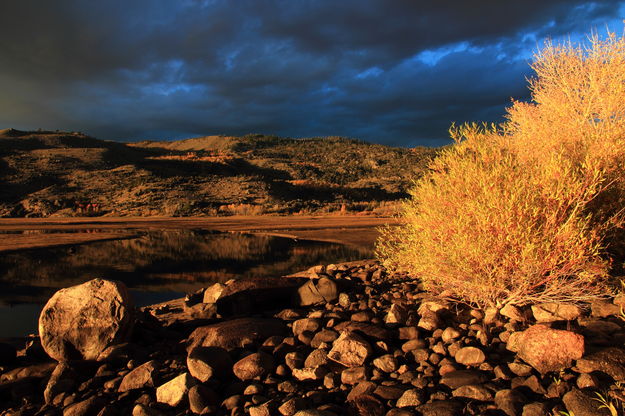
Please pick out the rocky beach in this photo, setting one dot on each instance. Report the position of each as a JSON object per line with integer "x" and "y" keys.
{"x": 337, "y": 339}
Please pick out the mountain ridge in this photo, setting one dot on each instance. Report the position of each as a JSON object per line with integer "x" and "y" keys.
{"x": 53, "y": 173}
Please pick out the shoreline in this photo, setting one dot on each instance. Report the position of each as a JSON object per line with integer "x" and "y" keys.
{"x": 371, "y": 343}
{"x": 349, "y": 230}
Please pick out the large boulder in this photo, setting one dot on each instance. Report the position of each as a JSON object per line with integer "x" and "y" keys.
{"x": 245, "y": 296}
{"x": 236, "y": 333}
{"x": 80, "y": 322}
{"x": 547, "y": 349}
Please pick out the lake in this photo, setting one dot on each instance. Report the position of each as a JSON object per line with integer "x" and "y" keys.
{"x": 155, "y": 265}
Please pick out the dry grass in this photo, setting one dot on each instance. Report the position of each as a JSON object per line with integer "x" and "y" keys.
{"x": 530, "y": 210}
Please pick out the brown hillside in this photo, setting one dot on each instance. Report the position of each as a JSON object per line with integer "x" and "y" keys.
{"x": 52, "y": 173}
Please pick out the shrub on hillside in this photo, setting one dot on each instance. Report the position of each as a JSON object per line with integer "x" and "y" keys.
{"x": 530, "y": 210}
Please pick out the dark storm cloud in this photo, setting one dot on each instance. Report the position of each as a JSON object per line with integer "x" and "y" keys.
{"x": 396, "y": 72}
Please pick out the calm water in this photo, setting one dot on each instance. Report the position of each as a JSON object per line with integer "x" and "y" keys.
{"x": 157, "y": 266}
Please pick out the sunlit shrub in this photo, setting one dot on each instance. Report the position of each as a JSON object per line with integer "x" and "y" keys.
{"x": 530, "y": 210}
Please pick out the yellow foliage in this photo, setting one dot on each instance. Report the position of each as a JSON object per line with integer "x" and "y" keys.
{"x": 523, "y": 212}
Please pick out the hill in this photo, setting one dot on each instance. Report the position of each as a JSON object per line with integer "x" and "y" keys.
{"x": 48, "y": 173}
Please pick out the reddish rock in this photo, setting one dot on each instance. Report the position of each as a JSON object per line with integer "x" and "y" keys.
{"x": 80, "y": 322}
{"x": 547, "y": 349}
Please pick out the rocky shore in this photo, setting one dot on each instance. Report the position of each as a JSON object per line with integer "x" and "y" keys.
{"x": 345, "y": 339}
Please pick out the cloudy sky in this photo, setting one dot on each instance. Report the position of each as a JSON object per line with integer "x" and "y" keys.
{"x": 387, "y": 71}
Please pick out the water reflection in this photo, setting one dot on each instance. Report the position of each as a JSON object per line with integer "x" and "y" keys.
{"x": 157, "y": 266}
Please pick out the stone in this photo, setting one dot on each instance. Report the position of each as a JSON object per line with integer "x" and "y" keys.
{"x": 313, "y": 412}
{"x": 474, "y": 392}
{"x": 350, "y": 350}
{"x": 554, "y": 311}
{"x": 294, "y": 359}
{"x": 441, "y": 408}
{"x": 535, "y": 409}
{"x": 585, "y": 381}
{"x": 470, "y": 356}
{"x": 429, "y": 320}
{"x": 122, "y": 353}
{"x": 610, "y": 361}
{"x": 252, "y": 294}
{"x": 580, "y": 404}
{"x": 326, "y": 336}
{"x": 175, "y": 391}
{"x": 520, "y": 369}
{"x": 316, "y": 358}
{"x": 510, "y": 402}
{"x": 291, "y": 406}
{"x": 202, "y": 397}
{"x": 236, "y": 333}
{"x": 62, "y": 380}
{"x": 604, "y": 309}
{"x": 397, "y": 314}
{"x": 201, "y": 311}
{"x": 264, "y": 409}
{"x": 513, "y": 313}
{"x": 140, "y": 377}
{"x": 254, "y": 366}
{"x": 408, "y": 332}
{"x": 386, "y": 363}
{"x": 353, "y": 375}
{"x": 143, "y": 410}
{"x": 317, "y": 291}
{"x": 411, "y": 398}
{"x": 491, "y": 314}
{"x": 205, "y": 363}
{"x": 90, "y": 406}
{"x": 400, "y": 412}
{"x": 367, "y": 405}
{"x": 390, "y": 392}
{"x": 213, "y": 293}
{"x": 459, "y": 378}
{"x": 306, "y": 324}
{"x": 449, "y": 334}
{"x": 370, "y": 330}
{"x": 361, "y": 389}
{"x": 309, "y": 373}
{"x": 547, "y": 349}
{"x": 80, "y": 322}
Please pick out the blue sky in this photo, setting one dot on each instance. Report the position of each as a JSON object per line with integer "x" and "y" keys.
{"x": 396, "y": 72}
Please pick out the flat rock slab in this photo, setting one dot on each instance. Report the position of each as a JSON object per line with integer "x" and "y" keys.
{"x": 236, "y": 333}
{"x": 81, "y": 321}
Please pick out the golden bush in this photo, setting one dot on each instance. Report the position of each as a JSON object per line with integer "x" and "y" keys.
{"x": 530, "y": 210}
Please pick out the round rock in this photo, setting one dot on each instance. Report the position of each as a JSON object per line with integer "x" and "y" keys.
{"x": 80, "y": 322}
